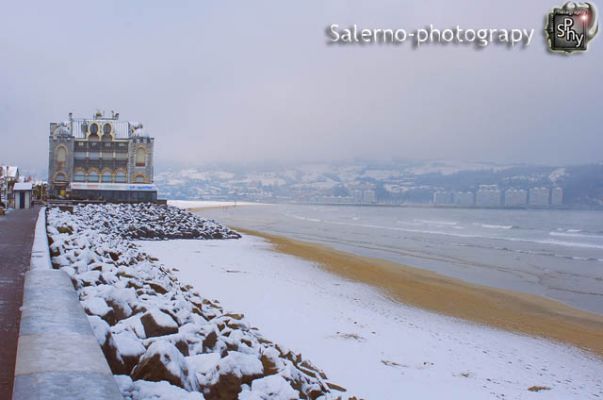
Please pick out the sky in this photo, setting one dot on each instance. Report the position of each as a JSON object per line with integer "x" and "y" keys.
{"x": 256, "y": 81}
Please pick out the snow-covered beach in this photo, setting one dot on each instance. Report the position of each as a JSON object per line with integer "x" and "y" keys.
{"x": 373, "y": 346}
{"x": 179, "y": 312}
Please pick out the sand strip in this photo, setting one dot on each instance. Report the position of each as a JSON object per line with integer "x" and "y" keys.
{"x": 518, "y": 312}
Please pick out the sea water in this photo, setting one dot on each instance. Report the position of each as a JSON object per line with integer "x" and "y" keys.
{"x": 553, "y": 253}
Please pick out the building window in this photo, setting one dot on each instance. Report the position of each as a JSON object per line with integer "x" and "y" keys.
{"x": 61, "y": 154}
{"x": 107, "y": 177}
{"x": 92, "y": 176}
{"x": 141, "y": 156}
{"x": 93, "y": 132}
{"x": 139, "y": 179}
{"x": 107, "y": 133}
{"x": 60, "y": 177}
{"x": 120, "y": 177}
{"x": 79, "y": 175}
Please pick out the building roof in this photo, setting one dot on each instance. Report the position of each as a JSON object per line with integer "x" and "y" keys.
{"x": 9, "y": 171}
{"x": 22, "y": 186}
{"x": 121, "y": 128}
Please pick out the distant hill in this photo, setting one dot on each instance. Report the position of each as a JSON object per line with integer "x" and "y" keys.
{"x": 389, "y": 183}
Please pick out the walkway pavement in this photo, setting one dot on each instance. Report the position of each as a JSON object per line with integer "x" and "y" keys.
{"x": 16, "y": 239}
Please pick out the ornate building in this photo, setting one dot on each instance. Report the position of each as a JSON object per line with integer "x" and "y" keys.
{"x": 101, "y": 158}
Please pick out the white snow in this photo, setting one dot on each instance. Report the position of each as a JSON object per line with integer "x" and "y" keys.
{"x": 96, "y": 306}
{"x": 128, "y": 344}
{"x": 162, "y": 319}
{"x": 22, "y": 186}
{"x": 210, "y": 366}
{"x": 145, "y": 390}
{"x": 190, "y": 204}
{"x": 241, "y": 364}
{"x": 374, "y": 347}
{"x": 268, "y": 388}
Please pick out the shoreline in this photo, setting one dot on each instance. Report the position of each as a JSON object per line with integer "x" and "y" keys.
{"x": 512, "y": 311}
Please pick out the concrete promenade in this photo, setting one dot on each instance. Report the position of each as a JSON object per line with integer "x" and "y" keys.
{"x": 16, "y": 238}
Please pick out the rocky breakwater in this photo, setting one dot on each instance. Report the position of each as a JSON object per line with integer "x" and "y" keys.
{"x": 161, "y": 338}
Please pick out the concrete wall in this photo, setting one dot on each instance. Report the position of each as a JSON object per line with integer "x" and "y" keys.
{"x": 58, "y": 356}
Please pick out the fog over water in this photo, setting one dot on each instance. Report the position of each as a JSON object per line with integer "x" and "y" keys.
{"x": 256, "y": 81}
{"x": 556, "y": 254}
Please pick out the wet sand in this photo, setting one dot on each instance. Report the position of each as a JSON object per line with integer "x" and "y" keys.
{"x": 517, "y": 312}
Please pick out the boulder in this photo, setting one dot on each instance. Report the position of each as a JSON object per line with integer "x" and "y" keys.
{"x": 121, "y": 309}
{"x": 210, "y": 341}
{"x": 129, "y": 349}
{"x": 163, "y": 362}
{"x": 105, "y": 339}
{"x": 227, "y": 387}
{"x": 98, "y": 306}
{"x": 270, "y": 387}
{"x": 158, "y": 287}
{"x": 157, "y": 323}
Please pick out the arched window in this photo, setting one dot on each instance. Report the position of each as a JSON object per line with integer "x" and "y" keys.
{"x": 107, "y": 177}
{"x": 92, "y": 176}
{"x": 139, "y": 179}
{"x": 107, "y": 129}
{"x": 93, "y": 136}
{"x": 60, "y": 177}
{"x": 141, "y": 157}
{"x": 120, "y": 176}
{"x": 79, "y": 175}
{"x": 61, "y": 154}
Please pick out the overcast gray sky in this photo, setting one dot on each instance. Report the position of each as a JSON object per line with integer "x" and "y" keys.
{"x": 253, "y": 81}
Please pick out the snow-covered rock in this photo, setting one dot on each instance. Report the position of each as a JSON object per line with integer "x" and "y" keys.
{"x": 164, "y": 362}
{"x": 150, "y": 221}
{"x": 157, "y": 323}
{"x": 163, "y": 339}
{"x": 270, "y": 387}
{"x": 145, "y": 390}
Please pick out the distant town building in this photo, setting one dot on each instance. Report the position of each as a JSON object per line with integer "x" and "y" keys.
{"x": 442, "y": 198}
{"x": 488, "y": 196}
{"x": 557, "y": 197}
{"x": 9, "y": 175}
{"x": 100, "y": 158}
{"x": 364, "y": 195}
{"x": 22, "y": 194}
{"x": 464, "y": 199}
{"x": 369, "y": 196}
{"x": 516, "y": 198}
{"x": 539, "y": 197}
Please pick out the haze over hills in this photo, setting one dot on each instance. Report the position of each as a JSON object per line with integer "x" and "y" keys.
{"x": 439, "y": 183}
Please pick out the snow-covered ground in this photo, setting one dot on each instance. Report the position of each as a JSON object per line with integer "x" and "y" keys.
{"x": 190, "y": 204}
{"x": 162, "y": 339}
{"x": 374, "y": 347}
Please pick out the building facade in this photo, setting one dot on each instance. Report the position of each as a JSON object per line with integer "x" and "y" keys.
{"x": 516, "y": 197}
{"x": 488, "y": 196}
{"x": 464, "y": 199}
{"x": 556, "y": 197}
{"x": 23, "y": 194}
{"x": 9, "y": 175}
{"x": 101, "y": 158}
{"x": 539, "y": 197}
{"x": 442, "y": 198}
